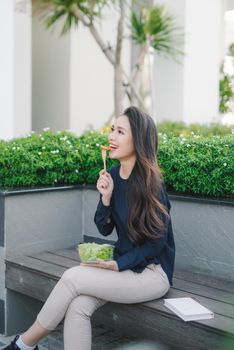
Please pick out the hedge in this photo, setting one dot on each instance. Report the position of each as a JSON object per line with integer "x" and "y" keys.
{"x": 191, "y": 164}
{"x": 179, "y": 128}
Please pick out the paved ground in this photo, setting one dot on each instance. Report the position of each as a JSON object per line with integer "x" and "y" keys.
{"x": 103, "y": 339}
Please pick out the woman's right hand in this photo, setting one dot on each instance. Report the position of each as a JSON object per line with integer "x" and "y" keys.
{"x": 105, "y": 186}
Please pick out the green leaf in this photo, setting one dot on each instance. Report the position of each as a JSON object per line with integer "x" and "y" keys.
{"x": 137, "y": 27}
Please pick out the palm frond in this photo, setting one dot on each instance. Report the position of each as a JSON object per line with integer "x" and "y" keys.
{"x": 54, "y": 10}
{"x": 165, "y": 37}
{"x": 137, "y": 27}
{"x": 54, "y": 17}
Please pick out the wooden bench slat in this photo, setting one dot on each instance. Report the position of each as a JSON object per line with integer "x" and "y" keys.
{"x": 30, "y": 283}
{"x": 204, "y": 295}
{"x": 164, "y": 328}
{"x": 205, "y": 280}
{"x": 37, "y": 274}
{"x": 39, "y": 286}
{"x": 38, "y": 266}
{"x": 217, "y": 307}
{"x": 70, "y": 253}
{"x": 202, "y": 290}
{"x": 57, "y": 260}
{"x": 220, "y": 323}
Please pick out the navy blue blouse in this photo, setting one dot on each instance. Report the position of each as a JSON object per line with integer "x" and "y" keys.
{"x": 127, "y": 254}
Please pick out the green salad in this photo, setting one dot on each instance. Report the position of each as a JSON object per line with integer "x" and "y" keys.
{"x": 90, "y": 252}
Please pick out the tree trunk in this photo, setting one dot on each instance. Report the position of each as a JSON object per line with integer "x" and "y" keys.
{"x": 109, "y": 53}
{"x": 118, "y": 75}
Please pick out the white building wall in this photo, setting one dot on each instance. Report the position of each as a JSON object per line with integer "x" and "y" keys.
{"x": 15, "y": 68}
{"x": 50, "y": 77}
{"x": 202, "y": 61}
{"x": 190, "y": 91}
{"x": 92, "y": 75}
{"x": 22, "y": 68}
{"x": 229, "y": 25}
{"x": 91, "y": 98}
{"x": 6, "y": 69}
{"x": 168, "y": 74}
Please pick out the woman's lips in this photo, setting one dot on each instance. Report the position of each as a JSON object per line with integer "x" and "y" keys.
{"x": 112, "y": 147}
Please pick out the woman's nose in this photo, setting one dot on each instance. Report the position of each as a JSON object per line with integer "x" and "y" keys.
{"x": 111, "y": 136}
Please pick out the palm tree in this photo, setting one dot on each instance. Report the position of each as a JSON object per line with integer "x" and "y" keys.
{"x": 151, "y": 28}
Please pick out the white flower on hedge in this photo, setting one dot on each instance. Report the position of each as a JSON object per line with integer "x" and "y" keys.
{"x": 55, "y": 180}
{"x": 76, "y": 171}
{"x": 63, "y": 138}
{"x": 39, "y": 153}
{"x": 68, "y": 142}
{"x": 43, "y": 147}
{"x": 87, "y": 145}
{"x": 188, "y": 145}
{"x": 55, "y": 151}
{"x": 225, "y": 164}
{"x": 181, "y": 142}
{"x": 14, "y": 147}
{"x": 97, "y": 144}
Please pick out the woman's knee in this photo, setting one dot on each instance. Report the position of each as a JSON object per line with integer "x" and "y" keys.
{"x": 70, "y": 274}
{"x": 84, "y": 305}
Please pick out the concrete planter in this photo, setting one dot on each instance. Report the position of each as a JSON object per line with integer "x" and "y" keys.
{"x": 204, "y": 235}
{"x": 35, "y": 221}
{"x": 53, "y": 218}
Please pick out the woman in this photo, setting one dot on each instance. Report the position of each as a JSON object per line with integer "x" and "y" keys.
{"x": 134, "y": 201}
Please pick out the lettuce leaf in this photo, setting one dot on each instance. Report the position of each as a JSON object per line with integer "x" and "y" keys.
{"x": 90, "y": 252}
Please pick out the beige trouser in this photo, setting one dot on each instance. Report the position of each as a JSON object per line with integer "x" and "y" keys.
{"x": 83, "y": 289}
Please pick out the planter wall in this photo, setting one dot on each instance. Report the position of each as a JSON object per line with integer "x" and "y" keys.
{"x": 35, "y": 221}
{"x": 204, "y": 235}
{"x": 54, "y": 218}
{"x": 203, "y": 230}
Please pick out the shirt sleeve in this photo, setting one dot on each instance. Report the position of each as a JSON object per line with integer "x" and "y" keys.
{"x": 103, "y": 219}
{"x": 165, "y": 197}
{"x": 148, "y": 250}
{"x": 140, "y": 254}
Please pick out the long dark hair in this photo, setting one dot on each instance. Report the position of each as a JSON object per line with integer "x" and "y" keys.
{"x": 146, "y": 212}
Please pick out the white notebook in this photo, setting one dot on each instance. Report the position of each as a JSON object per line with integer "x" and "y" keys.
{"x": 188, "y": 309}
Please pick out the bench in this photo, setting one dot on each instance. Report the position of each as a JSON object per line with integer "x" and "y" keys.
{"x": 35, "y": 276}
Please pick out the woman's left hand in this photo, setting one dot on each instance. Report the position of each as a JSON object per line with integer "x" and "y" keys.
{"x": 110, "y": 265}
